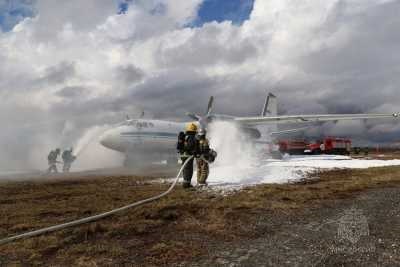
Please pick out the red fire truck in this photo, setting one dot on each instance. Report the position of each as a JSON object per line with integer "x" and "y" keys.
{"x": 292, "y": 147}
{"x": 330, "y": 145}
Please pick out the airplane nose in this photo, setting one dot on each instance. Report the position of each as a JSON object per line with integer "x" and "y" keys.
{"x": 106, "y": 139}
{"x": 111, "y": 139}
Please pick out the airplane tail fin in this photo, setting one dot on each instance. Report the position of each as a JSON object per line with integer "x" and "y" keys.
{"x": 270, "y": 106}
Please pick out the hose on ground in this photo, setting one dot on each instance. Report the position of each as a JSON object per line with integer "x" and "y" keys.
{"x": 95, "y": 217}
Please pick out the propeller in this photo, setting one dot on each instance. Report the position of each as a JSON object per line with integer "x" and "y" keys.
{"x": 128, "y": 119}
{"x": 203, "y": 120}
{"x": 210, "y": 105}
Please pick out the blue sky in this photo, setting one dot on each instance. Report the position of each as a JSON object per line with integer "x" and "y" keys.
{"x": 13, "y": 11}
{"x": 237, "y": 11}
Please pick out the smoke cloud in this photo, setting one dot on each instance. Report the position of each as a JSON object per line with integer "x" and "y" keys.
{"x": 58, "y": 65}
{"x": 236, "y": 155}
{"x": 91, "y": 155}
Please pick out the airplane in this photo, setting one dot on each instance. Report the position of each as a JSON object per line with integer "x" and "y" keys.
{"x": 144, "y": 140}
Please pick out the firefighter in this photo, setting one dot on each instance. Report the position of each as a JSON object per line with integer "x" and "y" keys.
{"x": 67, "y": 158}
{"x": 187, "y": 146}
{"x": 202, "y": 158}
{"x": 52, "y": 160}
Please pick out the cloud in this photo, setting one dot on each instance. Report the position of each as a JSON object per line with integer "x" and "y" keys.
{"x": 59, "y": 73}
{"x": 14, "y": 11}
{"x": 128, "y": 74}
{"x": 68, "y": 64}
{"x": 71, "y": 92}
{"x": 81, "y": 15}
{"x": 214, "y": 43}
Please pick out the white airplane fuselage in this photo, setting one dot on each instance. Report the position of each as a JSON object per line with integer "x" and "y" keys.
{"x": 143, "y": 136}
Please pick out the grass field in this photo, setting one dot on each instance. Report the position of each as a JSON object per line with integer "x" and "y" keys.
{"x": 175, "y": 229}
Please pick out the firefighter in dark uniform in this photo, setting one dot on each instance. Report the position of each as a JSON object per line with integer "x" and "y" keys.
{"x": 190, "y": 144}
{"x": 187, "y": 146}
{"x": 67, "y": 158}
{"x": 52, "y": 159}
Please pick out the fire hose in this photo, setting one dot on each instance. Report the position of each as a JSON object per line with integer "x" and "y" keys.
{"x": 95, "y": 217}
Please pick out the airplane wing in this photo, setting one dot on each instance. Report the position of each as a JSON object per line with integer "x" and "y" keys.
{"x": 311, "y": 118}
{"x": 289, "y": 131}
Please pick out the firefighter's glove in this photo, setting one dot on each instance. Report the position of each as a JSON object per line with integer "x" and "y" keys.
{"x": 211, "y": 156}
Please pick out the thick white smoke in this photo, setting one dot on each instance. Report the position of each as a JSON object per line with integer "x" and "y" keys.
{"x": 89, "y": 136}
{"x": 42, "y": 144}
{"x": 91, "y": 154}
{"x": 240, "y": 162}
{"x": 85, "y": 143}
{"x": 237, "y": 157}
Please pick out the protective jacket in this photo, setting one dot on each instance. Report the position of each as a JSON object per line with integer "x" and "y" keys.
{"x": 52, "y": 157}
{"x": 205, "y": 151}
{"x": 67, "y": 156}
{"x": 203, "y": 147}
{"x": 188, "y": 144}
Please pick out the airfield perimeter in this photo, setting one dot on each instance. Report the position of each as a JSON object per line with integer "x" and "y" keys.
{"x": 267, "y": 225}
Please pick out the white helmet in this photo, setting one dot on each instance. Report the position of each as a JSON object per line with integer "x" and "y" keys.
{"x": 202, "y": 132}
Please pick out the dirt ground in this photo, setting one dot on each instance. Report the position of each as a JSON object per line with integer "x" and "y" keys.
{"x": 334, "y": 218}
{"x": 317, "y": 236}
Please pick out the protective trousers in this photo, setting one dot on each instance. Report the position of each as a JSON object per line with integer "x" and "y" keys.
{"x": 187, "y": 171}
{"x": 202, "y": 171}
{"x": 66, "y": 166}
{"x": 52, "y": 167}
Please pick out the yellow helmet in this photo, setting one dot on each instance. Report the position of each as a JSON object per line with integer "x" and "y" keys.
{"x": 191, "y": 127}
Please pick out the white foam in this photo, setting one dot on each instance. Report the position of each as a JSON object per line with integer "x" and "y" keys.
{"x": 289, "y": 169}
{"x": 239, "y": 164}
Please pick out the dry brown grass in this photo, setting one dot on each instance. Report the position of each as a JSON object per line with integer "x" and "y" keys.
{"x": 176, "y": 228}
